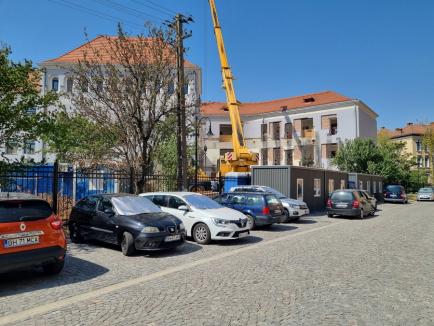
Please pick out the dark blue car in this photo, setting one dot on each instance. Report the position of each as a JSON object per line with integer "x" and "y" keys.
{"x": 262, "y": 209}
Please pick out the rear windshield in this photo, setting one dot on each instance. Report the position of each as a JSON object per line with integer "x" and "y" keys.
{"x": 24, "y": 210}
{"x": 393, "y": 188}
{"x": 272, "y": 200}
{"x": 254, "y": 200}
{"x": 342, "y": 195}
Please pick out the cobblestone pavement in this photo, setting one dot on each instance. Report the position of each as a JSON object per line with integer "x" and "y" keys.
{"x": 376, "y": 271}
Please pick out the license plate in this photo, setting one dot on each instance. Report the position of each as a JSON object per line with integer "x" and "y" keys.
{"x": 172, "y": 238}
{"x": 277, "y": 211}
{"x": 19, "y": 242}
{"x": 341, "y": 205}
{"x": 242, "y": 235}
{"x": 393, "y": 196}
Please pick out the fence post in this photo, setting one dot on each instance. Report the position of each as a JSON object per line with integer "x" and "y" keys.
{"x": 55, "y": 185}
{"x": 131, "y": 180}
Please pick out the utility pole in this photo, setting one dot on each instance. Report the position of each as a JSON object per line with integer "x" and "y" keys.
{"x": 181, "y": 135}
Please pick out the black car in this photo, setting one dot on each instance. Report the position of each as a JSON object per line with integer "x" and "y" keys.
{"x": 395, "y": 194}
{"x": 130, "y": 221}
{"x": 349, "y": 202}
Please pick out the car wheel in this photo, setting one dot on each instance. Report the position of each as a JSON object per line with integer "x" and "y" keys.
{"x": 127, "y": 244}
{"x": 54, "y": 268}
{"x": 250, "y": 222}
{"x": 329, "y": 215}
{"x": 74, "y": 233}
{"x": 201, "y": 233}
{"x": 287, "y": 216}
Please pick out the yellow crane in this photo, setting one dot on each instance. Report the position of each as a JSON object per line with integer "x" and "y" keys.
{"x": 241, "y": 158}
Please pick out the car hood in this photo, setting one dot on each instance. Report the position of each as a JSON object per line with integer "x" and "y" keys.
{"x": 292, "y": 201}
{"x": 153, "y": 219}
{"x": 224, "y": 213}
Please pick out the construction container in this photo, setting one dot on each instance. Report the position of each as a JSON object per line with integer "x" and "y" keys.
{"x": 335, "y": 180}
{"x": 233, "y": 179}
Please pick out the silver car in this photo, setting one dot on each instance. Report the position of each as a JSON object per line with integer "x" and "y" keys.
{"x": 426, "y": 193}
{"x": 294, "y": 209}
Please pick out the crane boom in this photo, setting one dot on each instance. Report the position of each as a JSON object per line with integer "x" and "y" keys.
{"x": 241, "y": 158}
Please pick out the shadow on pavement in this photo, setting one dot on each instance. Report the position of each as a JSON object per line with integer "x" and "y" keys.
{"x": 33, "y": 279}
{"x": 185, "y": 249}
{"x": 247, "y": 240}
{"x": 303, "y": 221}
{"x": 277, "y": 228}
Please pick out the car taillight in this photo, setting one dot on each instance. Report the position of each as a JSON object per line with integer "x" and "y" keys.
{"x": 266, "y": 211}
{"x": 329, "y": 203}
{"x": 55, "y": 222}
{"x": 356, "y": 204}
{"x": 402, "y": 196}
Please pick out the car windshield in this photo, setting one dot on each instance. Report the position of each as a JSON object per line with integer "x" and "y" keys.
{"x": 426, "y": 190}
{"x": 393, "y": 188}
{"x": 134, "y": 205}
{"x": 275, "y": 192}
{"x": 342, "y": 195}
{"x": 202, "y": 202}
{"x": 24, "y": 210}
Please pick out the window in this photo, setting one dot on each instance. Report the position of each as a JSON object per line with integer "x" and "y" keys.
{"x": 289, "y": 159}
{"x": 343, "y": 184}
{"x": 418, "y": 145}
{"x": 11, "y": 148}
{"x": 374, "y": 187}
{"x": 331, "y": 185}
{"x": 55, "y": 84}
{"x": 276, "y": 156}
{"x": 380, "y": 186}
{"x": 276, "y": 130}
{"x": 300, "y": 189}
{"x": 252, "y": 200}
{"x": 237, "y": 199}
{"x": 29, "y": 147}
{"x": 105, "y": 204}
{"x": 419, "y": 161}
{"x": 96, "y": 184}
{"x": 333, "y": 126}
{"x": 69, "y": 85}
{"x": 175, "y": 202}
{"x": 288, "y": 130}
{"x": 360, "y": 184}
{"x": 159, "y": 200}
{"x": 264, "y": 156}
{"x": 89, "y": 204}
{"x": 368, "y": 186}
{"x": 264, "y": 134}
{"x": 171, "y": 88}
{"x": 427, "y": 161}
{"x": 316, "y": 187}
{"x": 185, "y": 88}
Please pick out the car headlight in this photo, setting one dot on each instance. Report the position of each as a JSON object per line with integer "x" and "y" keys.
{"x": 150, "y": 229}
{"x": 182, "y": 226}
{"x": 219, "y": 221}
{"x": 294, "y": 206}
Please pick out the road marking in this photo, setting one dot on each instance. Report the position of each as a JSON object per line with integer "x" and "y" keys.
{"x": 57, "y": 305}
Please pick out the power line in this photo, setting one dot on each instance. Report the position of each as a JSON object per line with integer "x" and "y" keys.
{"x": 130, "y": 11}
{"x": 153, "y": 8}
{"x": 171, "y": 12}
{"x": 94, "y": 12}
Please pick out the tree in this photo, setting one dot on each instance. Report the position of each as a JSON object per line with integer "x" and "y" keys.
{"x": 428, "y": 142}
{"x": 125, "y": 89}
{"x": 355, "y": 155}
{"x": 21, "y": 104}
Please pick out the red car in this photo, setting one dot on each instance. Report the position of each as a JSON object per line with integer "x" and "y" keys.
{"x": 30, "y": 234}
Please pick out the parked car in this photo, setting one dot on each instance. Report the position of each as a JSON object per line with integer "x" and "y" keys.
{"x": 293, "y": 208}
{"x": 263, "y": 209}
{"x": 204, "y": 219}
{"x": 372, "y": 200}
{"x": 348, "y": 202}
{"x": 130, "y": 221}
{"x": 395, "y": 194}
{"x": 426, "y": 193}
{"x": 30, "y": 234}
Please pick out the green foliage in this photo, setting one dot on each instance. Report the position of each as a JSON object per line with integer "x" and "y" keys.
{"x": 74, "y": 138}
{"x": 19, "y": 97}
{"x": 386, "y": 159}
{"x": 416, "y": 180}
{"x": 428, "y": 141}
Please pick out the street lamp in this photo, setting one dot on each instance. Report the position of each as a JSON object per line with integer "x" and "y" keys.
{"x": 209, "y": 133}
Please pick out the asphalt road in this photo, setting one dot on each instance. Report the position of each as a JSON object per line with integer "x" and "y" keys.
{"x": 320, "y": 271}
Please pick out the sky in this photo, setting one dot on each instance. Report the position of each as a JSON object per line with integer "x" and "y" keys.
{"x": 381, "y": 52}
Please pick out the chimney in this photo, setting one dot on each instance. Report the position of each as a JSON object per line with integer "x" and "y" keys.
{"x": 409, "y": 123}
{"x": 399, "y": 130}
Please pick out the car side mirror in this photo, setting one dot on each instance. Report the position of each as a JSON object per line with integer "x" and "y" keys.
{"x": 109, "y": 211}
{"x": 184, "y": 208}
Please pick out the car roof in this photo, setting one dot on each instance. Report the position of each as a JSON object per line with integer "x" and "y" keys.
{"x": 262, "y": 193}
{"x": 17, "y": 195}
{"x": 174, "y": 193}
{"x": 112, "y": 195}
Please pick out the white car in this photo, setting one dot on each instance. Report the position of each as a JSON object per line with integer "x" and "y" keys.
{"x": 204, "y": 219}
{"x": 294, "y": 209}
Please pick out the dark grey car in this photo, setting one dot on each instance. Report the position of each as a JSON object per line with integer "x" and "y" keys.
{"x": 348, "y": 202}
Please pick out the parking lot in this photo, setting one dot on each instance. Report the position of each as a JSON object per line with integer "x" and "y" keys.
{"x": 316, "y": 271}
